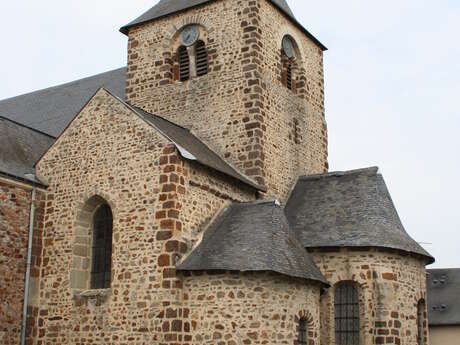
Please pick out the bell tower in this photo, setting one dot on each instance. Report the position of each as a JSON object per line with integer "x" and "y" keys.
{"x": 244, "y": 76}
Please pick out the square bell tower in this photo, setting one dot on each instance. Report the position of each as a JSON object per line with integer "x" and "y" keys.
{"x": 244, "y": 76}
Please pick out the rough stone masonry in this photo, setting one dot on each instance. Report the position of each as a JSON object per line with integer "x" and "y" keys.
{"x": 170, "y": 158}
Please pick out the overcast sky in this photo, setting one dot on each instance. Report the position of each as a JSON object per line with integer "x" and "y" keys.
{"x": 392, "y": 83}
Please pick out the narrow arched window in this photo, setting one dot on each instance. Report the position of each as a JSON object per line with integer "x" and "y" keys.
{"x": 346, "y": 306}
{"x": 289, "y": 75}
{"x": 184, "y": 64}
{"x": 102, "y": 248}
{"x": 303, "y": 332}
{"x": 288, "y": 57}
{"x": 201, "y": 59}
{"x": 421, "y": 323}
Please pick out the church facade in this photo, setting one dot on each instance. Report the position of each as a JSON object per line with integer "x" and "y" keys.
{"x": 186, "y": 198}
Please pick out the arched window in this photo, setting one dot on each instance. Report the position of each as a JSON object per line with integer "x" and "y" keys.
{"x": 102, "y": 248}
{"x": 303, "y": 332}
{"x": 288, "y": 58}
{"x": 184, "y": 63}
{"x": 421, "y": 323}
{"x": 201, "y": 59}
{"x": 346, "y": 305}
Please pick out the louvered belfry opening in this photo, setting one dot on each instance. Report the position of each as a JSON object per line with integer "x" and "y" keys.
{"x": 346, "y": 305}
{"x": 184, "y": 64}
{"x": 289, "y": 75}
{"x": 201, "y": 59}
{"x": 102, "y": 248}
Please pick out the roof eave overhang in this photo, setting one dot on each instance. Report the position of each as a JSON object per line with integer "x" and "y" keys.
{"x": 125, "y": 29}
{"x": 24, "y": 180}
{"x": 427, "y": 258}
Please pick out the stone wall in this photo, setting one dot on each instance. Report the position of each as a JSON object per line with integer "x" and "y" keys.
{"x": 390, "y": 288}
{"x": 160, "y": 204}
{"x": 241, "y": 107}
{"x": 14, "y": 229}
{"x": 248, "y": 308}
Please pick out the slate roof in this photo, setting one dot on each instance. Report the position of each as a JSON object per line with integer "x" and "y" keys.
{"x": 194, "y": 149}
{"x": 252, "y": 237}
{"x": 443, "y": 297}
{"x": 348, "y": 209}
{"x": 20, "y": 147}
{"x": 167, "y": 7}
{"x": 46, "y": 113}
{"x": 51, "y": 110}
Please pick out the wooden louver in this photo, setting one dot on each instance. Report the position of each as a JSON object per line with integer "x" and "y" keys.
{"x": 184, "y": 64}
{"x": 289, "y": 76}
{"x": 201, "y": 59}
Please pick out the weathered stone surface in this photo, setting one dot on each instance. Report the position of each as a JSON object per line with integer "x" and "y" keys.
{"x": 159, "y": 210}
{"x": 14, "y": 216}
{"x": 241, "y": 108}
{"x": 390, "y": 288}
{"x": 251, "y": 308}
{"x": 162, "y": 203}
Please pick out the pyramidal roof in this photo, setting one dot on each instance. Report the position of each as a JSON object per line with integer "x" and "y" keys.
{"x": 167, "y": 7}
{"x": 252, "y": 237}
{"x": 348, "y": 209}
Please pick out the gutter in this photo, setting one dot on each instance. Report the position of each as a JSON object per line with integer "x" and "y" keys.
{"x": 29, "y": 263}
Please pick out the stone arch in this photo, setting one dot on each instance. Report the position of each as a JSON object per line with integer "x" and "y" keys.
{"x": 173, "y": 30}
{"x": 311, "y": 326}
{"x": 171, "y": 43}
{"x": 80, "y": 273}
{"x": 361, "y": 305}
{"x": 297, "y": 63}
{"x": 422, "y": 322}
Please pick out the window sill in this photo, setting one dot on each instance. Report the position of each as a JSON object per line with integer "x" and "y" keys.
{"x": 94, "y": 293}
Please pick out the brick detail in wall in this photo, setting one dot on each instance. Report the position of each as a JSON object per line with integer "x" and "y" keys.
{"x": 41, "y": 204}
{"x": 252, "y": 160}
{"x": 390, "y": 287}
{"x": 172, "y": 190}
{"x": 240, "y": 108}
{"x": 14, "y": 225}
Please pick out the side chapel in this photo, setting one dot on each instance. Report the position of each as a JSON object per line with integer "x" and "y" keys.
{"x": 186, "y": 198}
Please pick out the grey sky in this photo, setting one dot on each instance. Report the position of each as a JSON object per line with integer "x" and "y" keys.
{"x": 392, "y": 82}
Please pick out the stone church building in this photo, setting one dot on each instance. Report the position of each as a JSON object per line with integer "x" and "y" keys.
{"x": 186, "y": 199}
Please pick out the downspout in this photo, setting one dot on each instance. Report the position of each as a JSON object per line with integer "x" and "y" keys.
{"x": 29, "y": 263}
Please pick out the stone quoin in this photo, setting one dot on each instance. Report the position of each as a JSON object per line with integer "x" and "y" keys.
{"x": 186, "y": 198}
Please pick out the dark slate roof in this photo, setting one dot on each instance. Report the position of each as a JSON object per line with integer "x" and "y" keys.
{"x": 252, "y": 237}
{"x": 48, "y": 112}
{"x": 443, "y": 297}
{"x": 348, "y": 209}
{"x": 51, "y": 110}
{"x": 167, "y": 7}
{"x": 193, "y": 148}
{"x": 21, "y": 147}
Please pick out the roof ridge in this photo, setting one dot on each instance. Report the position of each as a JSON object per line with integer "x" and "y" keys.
{"x": 27, "y": 127}
{"x": 161, "y": 10}
{"x": 61, "y": 85}
{"x": 369, "y": 171}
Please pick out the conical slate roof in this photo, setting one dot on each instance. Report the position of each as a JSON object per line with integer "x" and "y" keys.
{"x": 252, "y": 237}
{"x": 167, "y": 7}
{"x": 351, "y": 209}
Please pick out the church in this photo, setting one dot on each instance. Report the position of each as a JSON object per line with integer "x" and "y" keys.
{"x": 186, "y": 198}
